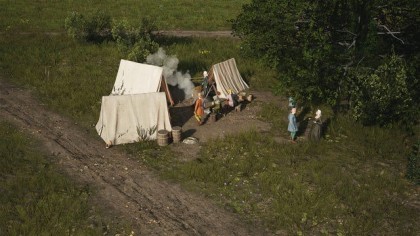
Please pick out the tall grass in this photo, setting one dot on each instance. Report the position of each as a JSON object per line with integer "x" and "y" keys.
{"x": 47, "y": 16}
{"x": 68, "y": 77}
{"x": 35, "y": 199}
{"x": 350, "y": 184}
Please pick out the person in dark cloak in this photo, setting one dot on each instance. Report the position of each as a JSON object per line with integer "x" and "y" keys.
{"x": 315, "y": 134}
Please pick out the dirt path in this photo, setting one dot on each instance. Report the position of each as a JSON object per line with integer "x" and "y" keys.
{"x": 174, "y": 33}
{"x": 124, "y": 186}
{"x": 194, "y": 33}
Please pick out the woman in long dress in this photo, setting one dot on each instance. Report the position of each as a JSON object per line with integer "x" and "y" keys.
{"x": 198, "y": 109}
{"x": 292, "y": 127}
{"x": 316, "y": 127}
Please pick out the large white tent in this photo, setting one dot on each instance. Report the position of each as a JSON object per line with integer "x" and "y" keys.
{"x": 137, "y": 107}
{"x": 226, "y": 76}
{"x": 132, "y": 118}
{"x": 135, "y": 78}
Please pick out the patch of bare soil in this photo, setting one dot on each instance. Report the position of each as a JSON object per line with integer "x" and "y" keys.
{"x": 232, "y": 123}
{"x": 123, "y": 185}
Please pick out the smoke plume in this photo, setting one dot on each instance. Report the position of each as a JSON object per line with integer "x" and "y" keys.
{"x": 170, "y": 73}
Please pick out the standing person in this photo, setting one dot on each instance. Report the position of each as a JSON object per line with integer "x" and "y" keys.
{"x": 198, "y": 109}
{"x": 292, "y": 128}
{"x": 205, "y": 82}
{"x": 316, "y": 127}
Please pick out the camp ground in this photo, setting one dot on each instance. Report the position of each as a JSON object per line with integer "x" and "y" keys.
{"x": 141, "y": 105}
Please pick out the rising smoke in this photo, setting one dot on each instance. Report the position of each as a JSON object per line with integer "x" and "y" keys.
{"x": 170, "y": 73}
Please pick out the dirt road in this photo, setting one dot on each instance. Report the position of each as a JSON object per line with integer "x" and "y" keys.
{"x": 128, "y": 189}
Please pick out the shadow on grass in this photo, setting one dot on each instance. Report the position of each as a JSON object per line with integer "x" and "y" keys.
{"x": 303, "y": 123}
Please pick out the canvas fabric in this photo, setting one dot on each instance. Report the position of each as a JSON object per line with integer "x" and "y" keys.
{"x": 124, "y": 117}
{"x": 135, "y": 78}
{"x": 227, "y": 76}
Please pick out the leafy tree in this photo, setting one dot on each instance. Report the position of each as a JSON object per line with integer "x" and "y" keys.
{"x": 383, "y": 97}
{"x": 320, "y": 48}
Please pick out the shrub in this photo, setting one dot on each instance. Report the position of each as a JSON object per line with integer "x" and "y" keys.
{"x": 75, "y": 25}
{"x": 96, "y": 28}
{"x": 142, "y": 49}
{"x": 138, "y": 41}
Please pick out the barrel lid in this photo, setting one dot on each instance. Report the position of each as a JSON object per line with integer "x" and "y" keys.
{"x": 176, "y": 128}
{"x": 162, "y": 131}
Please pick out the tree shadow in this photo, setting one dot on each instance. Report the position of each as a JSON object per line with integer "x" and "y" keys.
{"x": 303, "y": 123}
{"x": 325, "y": 126}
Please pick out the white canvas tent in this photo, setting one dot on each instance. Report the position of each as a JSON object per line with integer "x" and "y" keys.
{"x": 226, "y": 76}
{"x": 137, "y": 107}
{"x": 135, "y": 78}
{"x": 132, "y": 118}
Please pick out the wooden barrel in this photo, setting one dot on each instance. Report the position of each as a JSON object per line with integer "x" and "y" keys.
{"x": 162, "y": 137}
{"x": 176, "y": 134}
{"x": 249, "y": 98}
{"x": 213, "y": 117}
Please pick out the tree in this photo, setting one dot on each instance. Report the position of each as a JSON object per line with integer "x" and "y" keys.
{"x": 314, "y": 45}
{"x": 383, "y": 97}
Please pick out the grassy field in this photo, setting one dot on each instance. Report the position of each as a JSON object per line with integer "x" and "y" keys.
{"x": 351, "y": 183}
{"x": 45, "y": 15}
{"x": 36, "y": 199}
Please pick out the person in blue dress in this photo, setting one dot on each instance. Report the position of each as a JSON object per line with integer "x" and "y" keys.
{"x": 292, "y": 127}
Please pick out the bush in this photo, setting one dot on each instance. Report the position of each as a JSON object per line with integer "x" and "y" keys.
{"x": 138, "y": 41}
{"x": 142, "y": 49}
{"x": 75, "y": 26}
{"x": 96, "y": 28}
{"x": 135, "y": 42}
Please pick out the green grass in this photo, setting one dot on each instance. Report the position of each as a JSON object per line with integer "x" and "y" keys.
{"x": 47, "y": 16}
{"x": 351, "y": 183}
{"x": 35, "y": 199}
{"x": 71, "y": 78}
